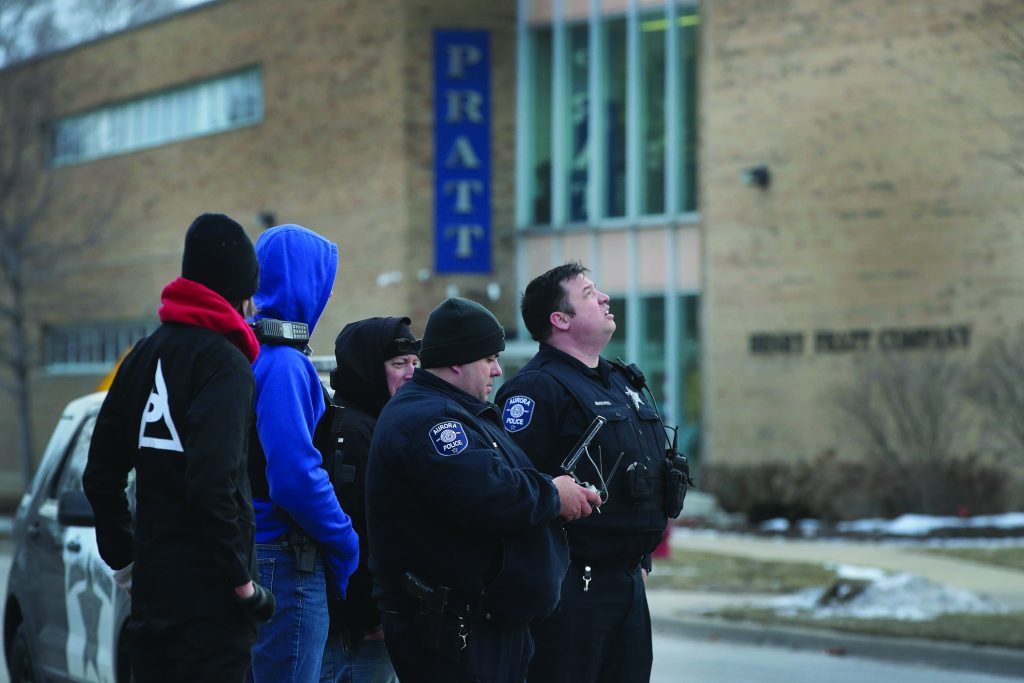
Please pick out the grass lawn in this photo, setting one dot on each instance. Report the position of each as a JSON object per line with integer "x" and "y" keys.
{"x": 730, "y": 574}
{"x": 1003, "y": 630}
{"x": 1012, "y": 557}
{"x": 702, "y": 571}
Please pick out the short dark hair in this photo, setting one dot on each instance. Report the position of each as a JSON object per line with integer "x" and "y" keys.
{"x": 545, "y": 295}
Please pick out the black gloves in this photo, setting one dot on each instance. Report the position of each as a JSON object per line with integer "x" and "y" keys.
{"x": 260, "y": 605}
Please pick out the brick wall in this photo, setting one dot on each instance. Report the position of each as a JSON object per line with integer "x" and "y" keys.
{"x": 885, "y": 126}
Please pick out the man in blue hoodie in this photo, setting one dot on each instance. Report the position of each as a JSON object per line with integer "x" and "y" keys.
{"x": 305, "y": 543}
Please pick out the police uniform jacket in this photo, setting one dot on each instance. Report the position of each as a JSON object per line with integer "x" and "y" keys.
{"x": 549, "y": 404}
{"x": 454, "y": 501}
{"x": 178, "y": 411}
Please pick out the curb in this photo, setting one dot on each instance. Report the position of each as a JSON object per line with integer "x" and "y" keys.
{"x": 940, "y": 654}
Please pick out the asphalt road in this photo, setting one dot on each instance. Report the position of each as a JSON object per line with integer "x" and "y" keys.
{"x": 682, "y": 660}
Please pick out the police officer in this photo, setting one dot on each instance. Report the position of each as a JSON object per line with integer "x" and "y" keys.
{"x": 466, "y": 542}
{"x": 601, "y": 630}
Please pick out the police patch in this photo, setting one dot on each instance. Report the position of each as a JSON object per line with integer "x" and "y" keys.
{"x": 517, "y": 413}
{"x": 449, "y": 438}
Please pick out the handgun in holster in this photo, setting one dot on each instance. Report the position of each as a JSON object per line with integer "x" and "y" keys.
{"x": 304, "y": 548}
{"x": 430, "y": 612}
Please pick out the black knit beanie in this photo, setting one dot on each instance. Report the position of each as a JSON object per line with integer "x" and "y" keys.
{"x": 219, "y": 255}
{"x": 404, "y": 342}
{"x": 460, "y": 331}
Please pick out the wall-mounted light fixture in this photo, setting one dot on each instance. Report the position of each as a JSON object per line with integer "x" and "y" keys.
{"x": 757, "y": 176}
{"x": 266, "y": 218}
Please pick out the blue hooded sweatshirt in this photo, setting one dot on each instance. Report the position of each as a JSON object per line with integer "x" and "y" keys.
{"x": 297, "y": 269}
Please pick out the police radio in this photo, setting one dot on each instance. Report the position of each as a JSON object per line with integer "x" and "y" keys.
{"x": 677, "y": 477}
{"x": 286, "y": 332}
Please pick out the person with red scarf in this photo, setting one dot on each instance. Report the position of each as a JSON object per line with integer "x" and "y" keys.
{"x": 179, "y": 412}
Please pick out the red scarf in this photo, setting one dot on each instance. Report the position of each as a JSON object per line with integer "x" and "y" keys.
{"x": 188, "y": 302}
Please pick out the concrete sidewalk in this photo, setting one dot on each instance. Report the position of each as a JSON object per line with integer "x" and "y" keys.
{"x": 682, "y": 612}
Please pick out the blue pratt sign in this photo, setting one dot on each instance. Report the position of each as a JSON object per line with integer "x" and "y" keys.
{"x": 462, "y": 152}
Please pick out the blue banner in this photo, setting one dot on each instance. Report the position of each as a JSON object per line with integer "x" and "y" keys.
{"x": 462, "y": 152}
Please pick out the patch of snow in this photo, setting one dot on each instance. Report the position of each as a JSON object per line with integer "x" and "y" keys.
{"x": 889, "y": 596}
{"x": 856, "y": 572}
{"x": 777, "y": 524}
{"x": 921, "y": 525}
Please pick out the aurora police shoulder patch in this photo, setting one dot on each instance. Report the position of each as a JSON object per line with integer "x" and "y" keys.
{"x": 449, "y": 438}
{"x": 517, "y": 413}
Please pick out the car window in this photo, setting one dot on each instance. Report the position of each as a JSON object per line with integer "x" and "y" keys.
{"x": 70, "y": 478}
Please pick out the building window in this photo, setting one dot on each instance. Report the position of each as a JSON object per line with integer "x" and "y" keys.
{"x": 677, "y": 392}
{"x": 633, "y": 154}
{"x": 90, "y": 348}
{"x": 539, "y": 125}
{"x": 211, "y": 106}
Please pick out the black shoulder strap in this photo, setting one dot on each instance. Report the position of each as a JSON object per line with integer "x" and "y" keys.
{"x": 633, "y": 373}
{"x": 329, "y": 439}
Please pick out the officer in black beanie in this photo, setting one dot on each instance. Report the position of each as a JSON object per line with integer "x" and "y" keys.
{"x": 466, "y": 544}
{"x": 179, "y": 412}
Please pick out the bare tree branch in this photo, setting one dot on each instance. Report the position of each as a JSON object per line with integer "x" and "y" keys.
{"x": 32, "y": 257}
{"x": 903, "y": 410}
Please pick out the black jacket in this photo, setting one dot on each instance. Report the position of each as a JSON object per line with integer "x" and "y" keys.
{"x": 178, "y": 411}
{"x": 361, "y": 390}
{"x": 453, "y": 500}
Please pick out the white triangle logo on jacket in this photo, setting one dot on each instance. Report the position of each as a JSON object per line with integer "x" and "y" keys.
{"x": 157, "y": 409}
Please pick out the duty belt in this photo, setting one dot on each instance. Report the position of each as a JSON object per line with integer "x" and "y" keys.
{"x": 608, "y": 565}
{"x": 438, "y": 608}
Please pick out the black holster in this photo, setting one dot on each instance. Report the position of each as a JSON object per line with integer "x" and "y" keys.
{"x": 440, "y": 623}
{"x": 305, "y": 550}
{"x": 432, "y": 601}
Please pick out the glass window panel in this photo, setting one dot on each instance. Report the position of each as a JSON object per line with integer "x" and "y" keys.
{"x": 614, "y": 137}
{"x": 652, "y": 113}
{"x": 577, "y": 136}
{"x": 688, "y": 24}
{"x": 540, "y": 126}
{"x": 88, "y": 345}
{"x": 198, "y": 109}
{"x": 689, "y": 360}
{"x": 71, "y": 475}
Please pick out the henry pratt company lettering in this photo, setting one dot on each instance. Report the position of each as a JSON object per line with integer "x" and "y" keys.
{"x": 855, "y": 340}
{"x": 462, "y": 152}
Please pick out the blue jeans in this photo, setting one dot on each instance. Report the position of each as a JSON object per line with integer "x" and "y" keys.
{"x": 367, "y": 662}
{"x": 290, "y": 646}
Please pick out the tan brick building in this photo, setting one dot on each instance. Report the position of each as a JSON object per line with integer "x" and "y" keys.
{"x": 622, "y": 133}
{"x": 894, "y": 218}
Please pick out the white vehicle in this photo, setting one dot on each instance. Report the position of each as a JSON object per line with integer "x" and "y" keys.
{"x": 64, "y": 616}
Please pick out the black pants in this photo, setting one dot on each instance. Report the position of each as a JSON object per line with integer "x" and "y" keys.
{"x": 198, "y": 651}
{"x": 599, "y": 636}
{"x": 494, "y": 653}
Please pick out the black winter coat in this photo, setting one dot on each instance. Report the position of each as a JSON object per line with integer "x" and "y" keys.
{"x": 361, "y": 390}
{"x": 178, "y": 411}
